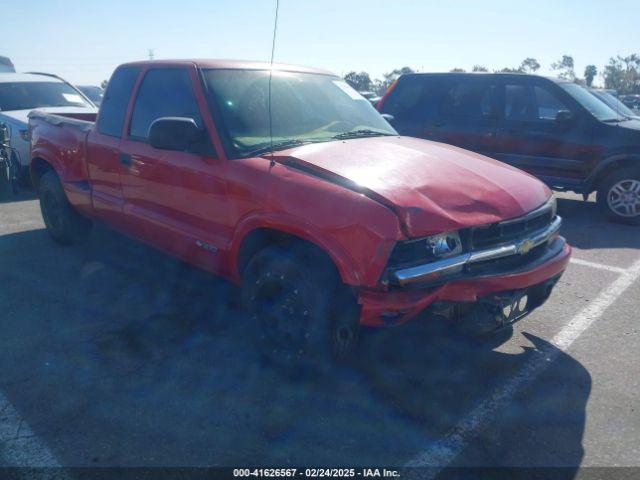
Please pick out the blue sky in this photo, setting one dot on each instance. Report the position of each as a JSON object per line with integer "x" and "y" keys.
{"x": 85, "y": 40}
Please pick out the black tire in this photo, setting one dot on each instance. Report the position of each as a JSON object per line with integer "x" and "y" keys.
{"x": 64, "y": 224}
{"x": 302, "y": 317}
{"x": 619, "y": 196}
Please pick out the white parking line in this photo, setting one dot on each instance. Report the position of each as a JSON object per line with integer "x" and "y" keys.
{"x": 601, "y": 266}
{"x": 443, "y": 452}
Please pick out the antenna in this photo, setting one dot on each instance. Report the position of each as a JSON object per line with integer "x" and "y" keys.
{"x": 273, "y": 49}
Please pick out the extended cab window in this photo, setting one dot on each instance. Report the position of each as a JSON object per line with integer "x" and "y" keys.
{"x": 114, "y": 104}
{"x": 404, "y": 100}
{"x": 163, "y": 93}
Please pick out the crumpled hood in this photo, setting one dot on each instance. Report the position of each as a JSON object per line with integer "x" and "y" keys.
{"x": 432, "y": 187}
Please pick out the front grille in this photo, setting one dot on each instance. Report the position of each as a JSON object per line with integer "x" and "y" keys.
{"x": 503, "y": 232}
{"x": 511, "y": 262}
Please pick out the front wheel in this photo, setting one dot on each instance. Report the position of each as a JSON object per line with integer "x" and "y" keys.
{"x": 619, "y": 196}
{"x": 292, "y": 297}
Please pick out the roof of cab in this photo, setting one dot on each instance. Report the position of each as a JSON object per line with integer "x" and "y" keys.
{"x": 9, "y": 77}
{"x": 489, "y": 74}
{"x": 230, "y": 65}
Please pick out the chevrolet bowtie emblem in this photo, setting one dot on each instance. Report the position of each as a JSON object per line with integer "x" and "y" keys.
{"x": 526, "y": 246}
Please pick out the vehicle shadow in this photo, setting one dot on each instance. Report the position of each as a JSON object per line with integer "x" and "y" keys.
{"x": 117, "y": 355}
{"x": 585, "y": 227}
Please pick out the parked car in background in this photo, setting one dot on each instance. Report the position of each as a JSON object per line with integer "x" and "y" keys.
{"x": 614, "y": 102}
{"x": 554, "y": 129}
{"x": 94, "y": 93}
{"x": 326, "y": 217}
{"x": 6, "y": 65}
{"x": 631, "y": 101}
{"x": 22, "y": 92}
{"x": 373, "y": 97}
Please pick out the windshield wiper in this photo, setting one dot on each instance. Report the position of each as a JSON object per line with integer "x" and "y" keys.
{"x": 293, "y": 142}
{"x": 360, "y": 133}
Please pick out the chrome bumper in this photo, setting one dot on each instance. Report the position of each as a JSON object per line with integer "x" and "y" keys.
{"x": 454, "y": 265}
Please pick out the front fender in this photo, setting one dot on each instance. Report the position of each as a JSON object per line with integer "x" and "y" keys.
{"x": 610, "y": 163}
{"x": 341, "y": 258}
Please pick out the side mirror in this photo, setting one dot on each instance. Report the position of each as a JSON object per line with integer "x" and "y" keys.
{"x": 564, "y": 116}
{"x": 174, "y": 133}
{"x": 389, "y": 118}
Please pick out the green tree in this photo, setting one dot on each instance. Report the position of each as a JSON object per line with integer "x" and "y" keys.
{"x": 564, "y": 67}
{"x": 529, "y": 65}
{"x": 360, "y": 81}
{"x": 623, "y": 74}
{"x": 479, "y": 68}
{"x": 590, "y": 73}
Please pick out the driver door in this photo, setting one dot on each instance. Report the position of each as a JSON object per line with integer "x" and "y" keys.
{"x": 530, "y": 137}
{"x": 173, "y": 199}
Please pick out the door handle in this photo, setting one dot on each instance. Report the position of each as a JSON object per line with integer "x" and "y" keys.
{"x": 125, "y": 159}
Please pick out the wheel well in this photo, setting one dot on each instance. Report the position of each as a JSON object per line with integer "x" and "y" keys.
{"x": 617, "y": 164}
{"x": 38, "y": 168}
{"x": 263, "y": 237}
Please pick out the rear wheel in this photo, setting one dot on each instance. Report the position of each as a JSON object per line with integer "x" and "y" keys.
{"x": 301, "y": 319}
{"x": 619, "y": 196}
{"x": 64, "y": 224}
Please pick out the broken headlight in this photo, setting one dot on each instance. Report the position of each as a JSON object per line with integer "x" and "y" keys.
{"x": 425, "y": 249}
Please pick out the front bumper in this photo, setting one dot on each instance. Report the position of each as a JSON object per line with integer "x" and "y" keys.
{"x": 381, "y": 308}
{"x": 450, "y": 268}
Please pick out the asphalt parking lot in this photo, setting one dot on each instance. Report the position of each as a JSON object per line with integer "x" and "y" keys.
{"x": 116, "y": 355}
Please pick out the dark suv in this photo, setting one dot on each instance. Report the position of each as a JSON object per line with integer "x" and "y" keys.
{"x": 553, "y": 129}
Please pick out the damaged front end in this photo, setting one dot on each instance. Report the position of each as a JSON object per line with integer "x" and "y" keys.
{"x": 492, "y": 312}
{"x": 483, "y": 277}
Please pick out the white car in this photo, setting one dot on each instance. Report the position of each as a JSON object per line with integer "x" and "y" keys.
{"x": 20, "y": 93}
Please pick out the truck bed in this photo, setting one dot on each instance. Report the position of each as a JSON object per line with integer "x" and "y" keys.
{"x": 61, "y": 140}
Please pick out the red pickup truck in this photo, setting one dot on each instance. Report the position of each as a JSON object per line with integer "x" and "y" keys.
{"x": 326, "y": 216}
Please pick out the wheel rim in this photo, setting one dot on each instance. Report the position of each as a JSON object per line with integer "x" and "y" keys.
{"x": 624, "y": 198}
{"x": 282, "y": 316}
{"x": 52, "y": 210}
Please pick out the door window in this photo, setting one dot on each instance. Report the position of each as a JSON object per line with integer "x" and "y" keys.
{"x": 469, "y": 99}
{"x": 518, "y": 103}
{"x": 547, "y": 104}
{"x": 163, "y": 93}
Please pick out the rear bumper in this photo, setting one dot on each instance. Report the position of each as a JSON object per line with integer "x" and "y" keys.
{"x": 380, "y": 308}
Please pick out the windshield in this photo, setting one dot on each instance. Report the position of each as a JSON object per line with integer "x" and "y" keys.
{"x": 95, "y": 94}
{"x": 30, "y": 95}
{"x": 611, "y": 100}
{"x": 597, "y": 107}
{"x": 304, "y": 108}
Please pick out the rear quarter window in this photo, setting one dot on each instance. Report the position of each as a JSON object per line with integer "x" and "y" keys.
{"x": 114, "y": 104}
{"x": 413, "y": 100}
{"x": 469, "y": 99}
